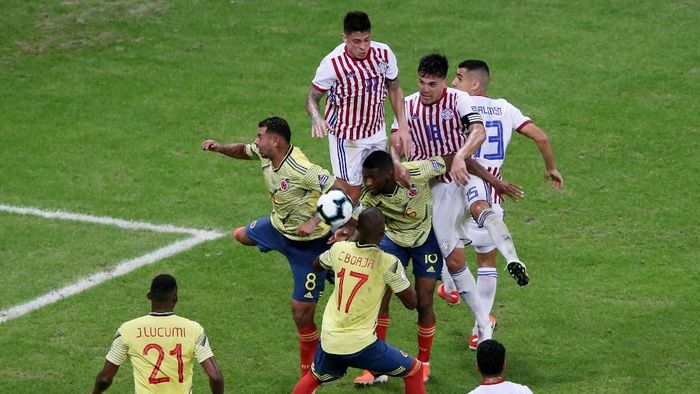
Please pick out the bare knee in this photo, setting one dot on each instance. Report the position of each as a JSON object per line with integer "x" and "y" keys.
{"x": 478, "y": 207}
{"x": 303, "y": 313}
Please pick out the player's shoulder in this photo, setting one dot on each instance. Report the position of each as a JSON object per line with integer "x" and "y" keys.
{"x": 379, "y": 45}
{"x": 413, "y": 96}
{"x": 337, "y": 51}
{"x": 503, "y": 103}
{"x": 297, "y": 160}
{"x": 457, "y": 92}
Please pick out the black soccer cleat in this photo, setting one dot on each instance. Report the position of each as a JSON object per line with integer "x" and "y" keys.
{"x": 518, "y": 271}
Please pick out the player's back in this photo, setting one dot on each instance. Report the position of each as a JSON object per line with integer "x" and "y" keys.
{"x": 351, "y": 311}
{"x": 162, "y": 349}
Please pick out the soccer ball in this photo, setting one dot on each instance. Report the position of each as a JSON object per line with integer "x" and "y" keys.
{"x": 335, "y": 208}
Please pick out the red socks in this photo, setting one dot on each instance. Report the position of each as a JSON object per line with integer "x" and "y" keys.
{"x": 413, "y": 381}
{"x": 308, "y": 340}
{"x": 383, "y": 322}
{"x": 306, "y": 385}
{"x": 426, "y": 333}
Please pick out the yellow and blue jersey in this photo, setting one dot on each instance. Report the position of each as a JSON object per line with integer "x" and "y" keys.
{"x": 294, "y": 188}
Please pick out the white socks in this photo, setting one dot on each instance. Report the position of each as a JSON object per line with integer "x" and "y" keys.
{"x": 499, "y": 234}
{"x": 465, "y": 284}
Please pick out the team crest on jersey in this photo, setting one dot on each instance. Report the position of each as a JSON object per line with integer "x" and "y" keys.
{"x": 413, "y": 191}
{"x": 447, "y": 114}
{"x": 284, "y": 185}
{"x": 382, "y": 67}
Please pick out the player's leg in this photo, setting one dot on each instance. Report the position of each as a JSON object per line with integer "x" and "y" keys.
{"x": 447, "y": 290}
{"x": 478, "y": 197}
{"x": 427, "y": 267}
{"x": 260, "y": 232}
{"x": 325, "y": 368}
{"x": 346, "y": 160}
{"x": 449, "y": 224}
{"x": 384, "y": 358}
{"x": 308, "y": 286}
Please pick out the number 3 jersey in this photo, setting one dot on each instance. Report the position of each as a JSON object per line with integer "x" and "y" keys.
{"x": 500, "y": 119}
{"x": 362, "y": 273}
{"x": 162, "y": 349}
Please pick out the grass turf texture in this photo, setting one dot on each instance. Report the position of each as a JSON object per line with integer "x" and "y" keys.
{"x": 104, "y": 105}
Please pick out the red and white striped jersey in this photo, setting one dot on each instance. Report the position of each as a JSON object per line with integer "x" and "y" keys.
{"x": 500, "y": 119}
{"x": 356, "y": 90}
{"x": 436, "y": 129}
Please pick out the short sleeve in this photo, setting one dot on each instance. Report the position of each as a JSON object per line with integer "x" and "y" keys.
{"x": 422, "y": 170}
{"x": 392, "y": 71}
{"x": 395, "y": 276}
{"x": 252, "y": 151}
{"x": 202, "y": 350}
{"x": 317, "y": 179}
{"x": 118, "y": 351}
{"x": 325, "y": 76}
{"x": 517, "y": 118}
{"x": 325, "y": 259}
{"x": 464, "y": 104}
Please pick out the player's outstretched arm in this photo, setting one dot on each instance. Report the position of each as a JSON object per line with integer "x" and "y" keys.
{"x": 477, "y": 135}
{"x": 502, "y": 187}
{"x": 536, "y": 134}
{"x": 344, "y": 232}
{"x": 216, "y": 379}
{"x": 401, "y": 175}
{"x": 104, "y": 377}
{"x": 319, "y": 127}
{"x": 401, "y": 138}
{"x": 237, "y": 151}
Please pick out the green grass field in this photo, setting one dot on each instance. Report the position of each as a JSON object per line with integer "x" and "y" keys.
{"x": 104, "y": 104}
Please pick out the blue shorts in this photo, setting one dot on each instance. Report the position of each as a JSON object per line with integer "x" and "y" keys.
{"x": 427, "y": 259}
{"x": 379, "y": 357}
{"x": 308, "y": 284}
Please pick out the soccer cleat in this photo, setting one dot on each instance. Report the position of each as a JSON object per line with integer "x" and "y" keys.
{"x": 518, "y": 271}
{"x": 367, "y": 378}
{"x": 452, "y": 297}
{"x": 426, "y": 371}
{"x": 474, "y": 339}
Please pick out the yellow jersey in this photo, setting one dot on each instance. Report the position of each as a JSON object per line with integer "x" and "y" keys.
{"x": 162, "y": 348}
{"x": 294, "y": 188}
{"x": 408, "y": 211}
{"x": 362, "y": 273}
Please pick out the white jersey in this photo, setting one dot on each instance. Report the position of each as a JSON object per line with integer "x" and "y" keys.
{"x": 500, "y": 119}
{"x": 436, "y": 129}
{"x": 356, "y": 90}
{"x": 502, "y": 388}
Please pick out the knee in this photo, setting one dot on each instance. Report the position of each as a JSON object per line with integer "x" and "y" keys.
{"x": 303, "y": 315}
{"x": 477, "y": 208}
{"x": 454, "y": 263}
{"x": 238, "y": 234}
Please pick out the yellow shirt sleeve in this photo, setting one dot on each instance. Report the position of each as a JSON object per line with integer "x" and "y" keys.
{"x": 252, "y": 151}
{"x": 118, "y": 351}
{"x": 202, "y": 350}
{"x": 325, "y": 259}
{"x": 395, "y": 277}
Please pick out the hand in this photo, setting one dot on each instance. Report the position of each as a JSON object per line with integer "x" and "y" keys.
{"x": 340, "y": 234}
{"x": 557, "y": 179}
{"x": 401, "y": 141}
{"x": 401, "y": 176}
{"x": 459, "y": 172}
{"x": 210, "y": 145}
{"x": 511, "y": 190}
{"x": 319, "y": 127}
{"x": 307, "y": 227}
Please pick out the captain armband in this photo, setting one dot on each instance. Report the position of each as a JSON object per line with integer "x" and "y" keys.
{"x": 357, "y": 209}
{"x": 472, "y": 118}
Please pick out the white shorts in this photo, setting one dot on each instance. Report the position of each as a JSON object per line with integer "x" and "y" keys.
{"x": 477, "y": 190}
{"x": 449, "y": 216}
{"x": 479, "y": 238}
{"x": 347, "y": 155}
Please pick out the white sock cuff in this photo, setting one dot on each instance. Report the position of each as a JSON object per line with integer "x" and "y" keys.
{"x": 487, "y": 272}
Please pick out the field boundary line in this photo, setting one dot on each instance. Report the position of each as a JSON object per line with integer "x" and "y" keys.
{"x": 122, "y": 268}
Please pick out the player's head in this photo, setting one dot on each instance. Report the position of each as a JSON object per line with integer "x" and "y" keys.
{"x": 370, "y": 226}
{"x": 163, "y": 290}
{"x": 490, "y": 358}
{"x": 472, "y": 77}
{"x": 432, "y": 77}
{"x": 378, "y": 172}
{"x": 356, "y": 33}
{"x": 273, "y": 136}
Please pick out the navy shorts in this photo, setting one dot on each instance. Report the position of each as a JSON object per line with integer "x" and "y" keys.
{"x": 308, "y": 284}
{"x": 379, "y": 357}
{"x": 427, "y": 259}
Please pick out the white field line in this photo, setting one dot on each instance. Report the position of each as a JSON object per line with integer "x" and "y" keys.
{"x": 122, "y": 268}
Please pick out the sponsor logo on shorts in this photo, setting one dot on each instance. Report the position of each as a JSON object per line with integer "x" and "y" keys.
{"x": 252, "y": 225}
{"x": 447, "y": 114}
{"x": 444, "y": 244}
{"x": 403, "y": 353}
